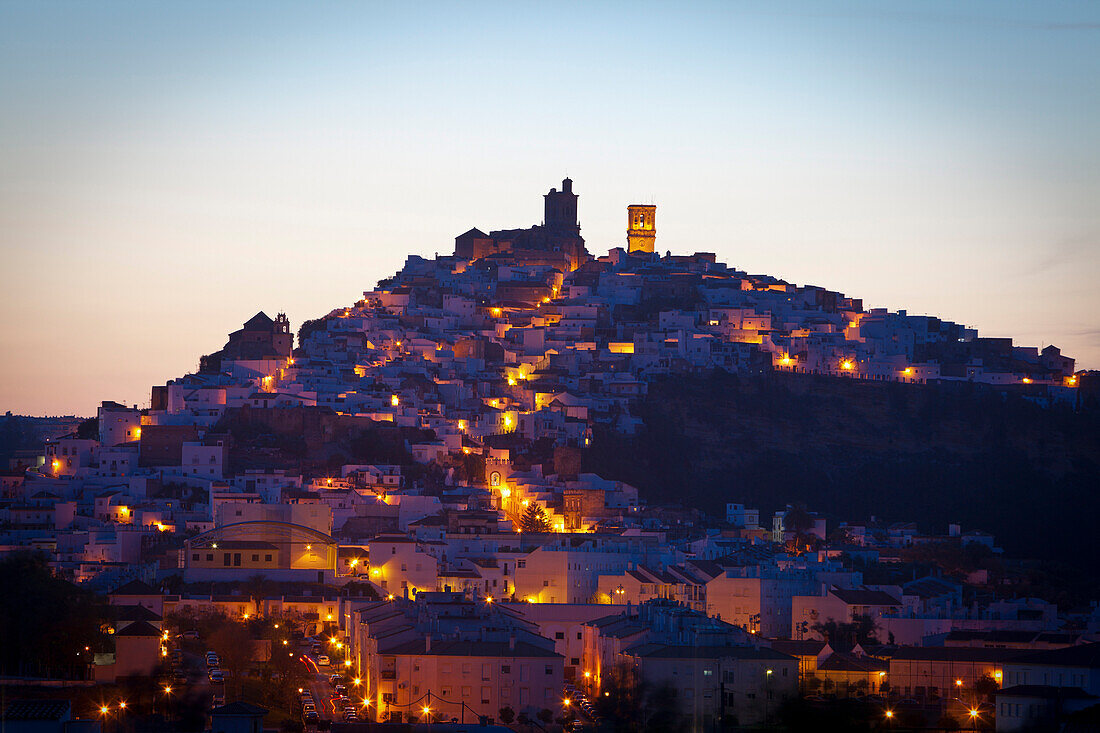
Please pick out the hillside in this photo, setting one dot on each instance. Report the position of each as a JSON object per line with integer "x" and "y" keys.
{"x": 853, "y": 449}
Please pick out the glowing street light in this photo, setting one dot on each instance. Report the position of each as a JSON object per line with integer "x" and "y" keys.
{"x": 889, "y": 714}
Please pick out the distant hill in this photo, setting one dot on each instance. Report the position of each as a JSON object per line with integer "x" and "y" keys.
{"x": 23, "y": 433}
{"x": 852, "y": 449}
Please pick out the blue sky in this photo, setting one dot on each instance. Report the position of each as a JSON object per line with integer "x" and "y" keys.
{"x": 166, "y": 170}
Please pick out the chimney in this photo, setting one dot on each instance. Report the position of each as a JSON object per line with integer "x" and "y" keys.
{"x": 512, "y": 642}
{"x": 427, "y": 642}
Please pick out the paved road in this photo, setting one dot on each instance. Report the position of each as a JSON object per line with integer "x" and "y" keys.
{"x": 324, "y": 694}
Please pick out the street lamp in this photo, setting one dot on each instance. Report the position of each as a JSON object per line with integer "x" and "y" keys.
{"x": 767, "y": 695}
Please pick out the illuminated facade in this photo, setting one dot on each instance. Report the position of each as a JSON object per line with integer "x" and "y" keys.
{"x": 276, "y": 550}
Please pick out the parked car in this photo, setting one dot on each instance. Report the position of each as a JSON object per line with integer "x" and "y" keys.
{"x": 322, "y": 661}
{"x": 311, "y": 717}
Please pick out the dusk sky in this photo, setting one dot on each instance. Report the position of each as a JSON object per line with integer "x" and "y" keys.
{"x": 168, "y": 170}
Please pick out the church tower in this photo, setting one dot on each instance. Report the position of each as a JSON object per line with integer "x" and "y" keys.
{"x": 641, "y": 227}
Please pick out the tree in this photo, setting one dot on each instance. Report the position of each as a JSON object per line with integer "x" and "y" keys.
{"x": 534, "y": 519}
{"x": 507, "y": 715}
{"x": 545, "y": 715}
{"x": 233, "y": 644}
{"x": 89, "y": 429}
{"x": 986, "y": 686}
{"x": 48, "y": 626}
{"x": 842, "y": 636}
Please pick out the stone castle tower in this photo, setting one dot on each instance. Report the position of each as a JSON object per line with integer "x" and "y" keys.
{"x": 641, "y": 227}
{"x": 560, "y": 210}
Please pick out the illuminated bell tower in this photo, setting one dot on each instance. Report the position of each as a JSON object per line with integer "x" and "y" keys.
{"x": 641, "y": 227}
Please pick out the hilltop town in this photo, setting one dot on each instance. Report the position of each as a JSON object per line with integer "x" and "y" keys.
{"x": 392, "y": 506}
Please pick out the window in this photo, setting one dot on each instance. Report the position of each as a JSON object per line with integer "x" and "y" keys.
{"x": 506, "y": 669}
{"x": 549, "y": 669}
{"x": 255, "y": 558}
{"x": 559, "y": 634}
{"x": 195, "y": 556}
{"x": 267, "y": 558}
{"x": 210, "y": 557}
{"x": 225, "y": 559}
{"x": 237, "y": 559}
